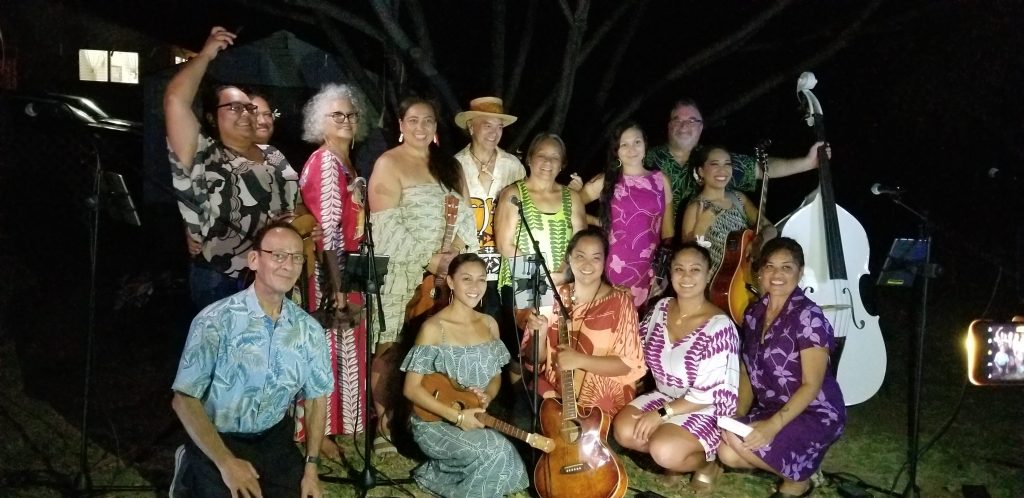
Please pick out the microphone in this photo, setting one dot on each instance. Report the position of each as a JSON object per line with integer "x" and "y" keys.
{"x": 879, "y": 189}
{"x": 1000, "y": 175}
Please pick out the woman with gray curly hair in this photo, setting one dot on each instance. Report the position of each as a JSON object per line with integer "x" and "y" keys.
{"x": 329, "y": 188}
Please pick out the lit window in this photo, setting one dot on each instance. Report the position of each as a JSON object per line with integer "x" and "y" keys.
{"x": 108, "y": 65}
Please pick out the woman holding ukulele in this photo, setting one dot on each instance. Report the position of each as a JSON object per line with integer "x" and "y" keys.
{"x": 465, "y": 459}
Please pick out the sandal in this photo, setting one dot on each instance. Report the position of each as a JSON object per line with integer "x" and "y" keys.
{"x": 807, "y": 492}
{"x": 704, "y": 482}
{"x": 382, "y": 446}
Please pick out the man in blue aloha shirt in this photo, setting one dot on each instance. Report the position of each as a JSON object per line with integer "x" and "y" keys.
{"x": 246, "y": 359}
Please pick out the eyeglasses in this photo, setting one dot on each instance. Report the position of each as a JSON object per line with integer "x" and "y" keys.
{"x": 280, "y": 257}
{"x": 238, "y": 107}
{"x": 686, "y": 122}
{"x": 341, "y": 117}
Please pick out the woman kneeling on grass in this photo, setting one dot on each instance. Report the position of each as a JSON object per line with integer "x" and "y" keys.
{"x": 692, "y": 349}
{"x": 465, "y": 458}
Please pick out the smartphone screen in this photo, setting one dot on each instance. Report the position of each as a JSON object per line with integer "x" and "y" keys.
{"x": 995, "y": 353}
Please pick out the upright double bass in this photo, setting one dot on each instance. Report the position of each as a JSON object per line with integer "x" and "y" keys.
{"x": 836, "y": 253}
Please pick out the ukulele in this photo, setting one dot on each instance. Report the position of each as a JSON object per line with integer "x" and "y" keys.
{"x": 735, "y": 285}
{"x": 581, "y": 465}
{"x": 434, "y": 294}
{"x": 444, "y": 390}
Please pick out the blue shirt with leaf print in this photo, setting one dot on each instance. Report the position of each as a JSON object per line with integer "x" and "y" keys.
{"x": 246, "y": 369}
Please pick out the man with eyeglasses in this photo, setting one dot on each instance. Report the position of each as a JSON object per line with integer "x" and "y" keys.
{"x": 227, "y": 185}
{"x": 685, "y": 125}
{"x": 246, "y": 358}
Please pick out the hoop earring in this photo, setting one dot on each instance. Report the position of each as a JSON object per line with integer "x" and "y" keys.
{"x": 401, "y": 137}
{"x": 618, "y": 163}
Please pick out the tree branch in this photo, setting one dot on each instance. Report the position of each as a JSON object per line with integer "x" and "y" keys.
{"x": 767, "y": 84}
{"x": 525, "y": 38}
{"x": 619, "y": 53}
{"x": 401, "y": 40}
{"x": 570, "y": 62}
{"x": 342, "y": 16}
{"x": 566, "y": 10}
{"x": 709, "y": 54}
{"x": 420, "y": 27}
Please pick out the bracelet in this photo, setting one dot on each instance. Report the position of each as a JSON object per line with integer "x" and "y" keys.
{"x": 315, "y": 460}
{"x": 459, "y": 419}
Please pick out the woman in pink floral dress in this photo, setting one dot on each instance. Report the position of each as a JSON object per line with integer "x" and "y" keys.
{"x": 636, "y": 210}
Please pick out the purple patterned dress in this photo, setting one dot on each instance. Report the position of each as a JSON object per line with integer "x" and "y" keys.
{"x": 703, "y": 368}
{"x": 776, "y": 373}
{"x": 637, "y": 207}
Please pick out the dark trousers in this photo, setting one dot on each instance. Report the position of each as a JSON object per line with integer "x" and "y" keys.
{"x": 273, "y": 454}
{"x": 208, "y": 286}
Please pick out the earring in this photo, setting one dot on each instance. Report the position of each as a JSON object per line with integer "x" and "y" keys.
{"x": 401, "y": 137}
{"x": 697, "y": 178}
{"x": 352, "y": 144}
{"x": 437, "y": 140}
{"x": 618, "y": 164}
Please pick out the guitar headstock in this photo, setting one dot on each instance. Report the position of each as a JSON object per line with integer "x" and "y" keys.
{"x": 761, "y": 154}
{"x": 451, "y": 209}
{"x": 545, "y": 444}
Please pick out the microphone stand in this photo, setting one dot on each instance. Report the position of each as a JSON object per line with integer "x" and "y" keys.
{"x": 367, "y": 479}
{"x": 83, "y": 485}
{"x": 535, "y": 401}
{"x": 927, "y": 271}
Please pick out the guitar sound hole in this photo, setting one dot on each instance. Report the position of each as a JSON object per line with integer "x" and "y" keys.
{"x": 571, "y": 431}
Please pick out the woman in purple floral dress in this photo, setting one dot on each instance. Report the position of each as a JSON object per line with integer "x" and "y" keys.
{"x": 636, "y": 211}
{"x": 798, "y": 410}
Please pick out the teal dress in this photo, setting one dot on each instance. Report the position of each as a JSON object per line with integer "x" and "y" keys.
{"x": 478, "y": 463}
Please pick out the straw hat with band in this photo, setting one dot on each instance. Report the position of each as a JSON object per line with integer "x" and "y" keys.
{"x": 491, "y": 107}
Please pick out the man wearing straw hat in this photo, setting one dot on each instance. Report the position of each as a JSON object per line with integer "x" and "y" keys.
{"x": 488, "y": 170}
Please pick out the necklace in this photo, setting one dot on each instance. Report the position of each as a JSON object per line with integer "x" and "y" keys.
{"x": 483, "y": 164}
{"x": 682, "y": 316}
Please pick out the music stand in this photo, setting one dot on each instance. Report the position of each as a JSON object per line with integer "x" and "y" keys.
{"x": 364, "y": 272}
{"x": 112, "y": 197}
{"x": 526, "y": 292}
{"x": 903, "y": 263}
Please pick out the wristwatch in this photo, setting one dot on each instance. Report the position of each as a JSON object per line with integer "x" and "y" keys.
{"x": 315, "y": 460}
{"x": 665, "y": 411}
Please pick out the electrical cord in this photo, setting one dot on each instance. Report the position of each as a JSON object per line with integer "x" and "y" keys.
{"x": 960, "y": 401}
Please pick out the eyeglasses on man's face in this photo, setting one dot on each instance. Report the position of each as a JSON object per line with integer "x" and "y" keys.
{"x": 341, "y": 117}
{"x": 239, "y": 107}
{"x": 683, "y": 123}
{"x": 281, "y": 256}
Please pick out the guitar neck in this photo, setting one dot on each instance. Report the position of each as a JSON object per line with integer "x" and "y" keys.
{"x": 535, "y": 440}
{"x": 568, "y": 384}
{"x": 446, "y": 245}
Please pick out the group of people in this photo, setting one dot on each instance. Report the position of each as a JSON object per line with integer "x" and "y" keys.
{"x": 254, "y": 361}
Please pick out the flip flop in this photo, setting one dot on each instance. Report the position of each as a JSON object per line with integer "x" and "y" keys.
{"x": 382, "y": 446}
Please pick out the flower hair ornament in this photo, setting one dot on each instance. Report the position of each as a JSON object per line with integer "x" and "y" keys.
{"x": 703, "y": 242}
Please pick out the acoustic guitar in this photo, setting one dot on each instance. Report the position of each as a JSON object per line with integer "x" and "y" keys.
{"x": 434, "y": 294}
{"x": 735, "y": 285}
{"x": 581, "y": 465}
{"x": 444, "y": 390}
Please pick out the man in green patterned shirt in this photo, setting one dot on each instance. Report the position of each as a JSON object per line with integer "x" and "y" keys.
{"x": 685, "y": 125}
